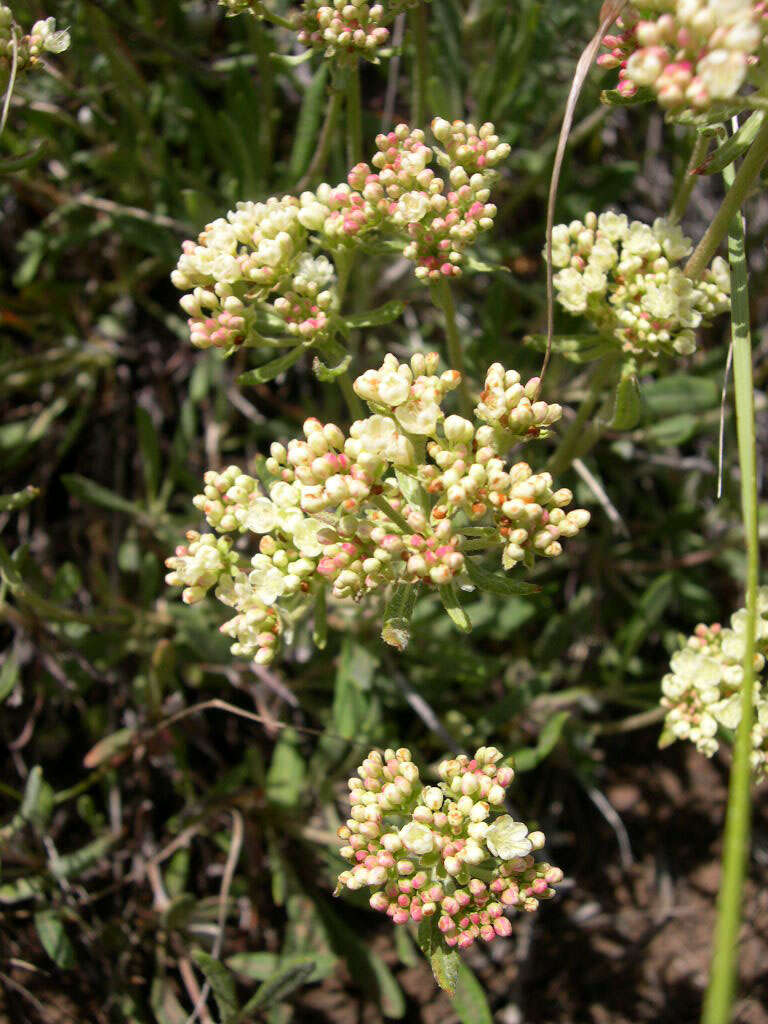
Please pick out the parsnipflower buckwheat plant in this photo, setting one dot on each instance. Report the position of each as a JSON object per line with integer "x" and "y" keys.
{"x": 702, "y": 689}
{"x": 449, "y": 852}
{"x": 689, "y": 54}
{"x": 401, "y": 500}
{"x": 626, "y": 278}
{"x": 341, "y": 29}
{"x": 31, "y": 46}
{"x": 255, "y": 277}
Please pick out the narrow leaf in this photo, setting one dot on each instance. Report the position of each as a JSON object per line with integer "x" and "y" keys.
{"x": 273, "y": 369}
{"x": 627, "y": 406}
{"x": 288, "y": 977}
{"x": 734, "y": 147}
{"x": 222, "y": 985}
{"x": 13, "y": 502}
{"x": 376, "y": 317}
{"x": 450, "y": 600}
{"x": 496, "y": 582}
{"x": 54, "y": 940}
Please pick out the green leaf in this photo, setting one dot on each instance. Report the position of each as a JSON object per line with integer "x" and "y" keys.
{"x": 263, "y": 966}
{"x": 666, "y": 738}
{"x": 34, "y": 155}
{"x": 37, "y": 804}
{"x": 289, "y": 976}
{"x": 9, "y": 674}
{"x": 287, "y": 772}
{"x": 327, "y": 374}
{"x": 469, "y": 1000}
{"x": 649, "y": 610}
{"x": 680, "y": 393}
{"x": 733, "y": 147}
{"x": 368, "y": 970}
{"x": 627, "y": 406}
{"x": 674, "y": 430}
{"x": 445, "y": 967}
{"x": 22, "y": 889}
{"x": 164, "y": 1004}
{"x": 108, "y": 747}
{"x": 320, "y": 622}
{"x": 353, "y": 677}
{"x": 8, "y": 571}
{"x": 398, "y": 614}
{"x": 413, "y": 491}
{"x": 73, "y": 864}
{"x": 495, "y": 582}
{"x": 376, "y": 317}
{"x": 308, "y": 123}
{"x": 222, "y": 985}
{"x": 450, "y": 599}
{"x": 528, "y": 758}
{"x": 576, "y": 348}
{"x": 273, "y": 369}
{"x": 149, "y": 445}
{"x": 94, "y": 494}
{"x": 54, "y": 939}
{"x": 13, "y": 502}
{"x": 613, "y": 98}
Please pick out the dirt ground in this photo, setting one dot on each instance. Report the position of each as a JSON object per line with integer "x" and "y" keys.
{"x": 629, "y": 940}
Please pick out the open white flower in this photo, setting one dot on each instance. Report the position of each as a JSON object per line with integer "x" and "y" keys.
{"x": 507, "y": 838}
{"x": 417, "y": 838}
{"x": 267, "y": 581}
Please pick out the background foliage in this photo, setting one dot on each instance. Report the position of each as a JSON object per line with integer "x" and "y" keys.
{"x": 142, "y": 848}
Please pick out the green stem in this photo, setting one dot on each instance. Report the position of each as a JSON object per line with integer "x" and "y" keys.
{"x": 576, "y": 441}
{"x": 442, "y": 297}
{"x": 720, "y": 993}
{"x": 354, "y": 117}
{"x": 737, "y": 193}
{"x": 418, "y": 20}
{"x": 319, "y": 160}
{"x": 383, "y": 505}
{"x": 343, "y": 264}
{"x": 688, "y": 180}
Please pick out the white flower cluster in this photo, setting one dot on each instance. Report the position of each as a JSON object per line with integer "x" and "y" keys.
{"x": 388, "y": 503}
{"x": 691, "y": 53}
{"x": 439, "y": 218}
{"x": 239, "y": 262}
{"x": 42, "y": 38}
{"x": 458, "y": 857}
{"x": 625, "y": 277}
{"x": 257, "y": 261}
{"x": 342, "y": 29}
{"x": 702, "y": 689}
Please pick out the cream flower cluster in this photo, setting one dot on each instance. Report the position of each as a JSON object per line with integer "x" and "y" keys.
{"x": 394, "y": 501}
{"x": 701, "y": 690}
{"x": 439, "y": 218}
{"x": 691, "y": 53}
{"x": 42, "y": 38}
{"x": 626, "y": 278}
{"x": 259, "y": 261}
{"x": 447, "y": 851}
{"x": 342, "y": 29}
{"x": 254, "y": 261}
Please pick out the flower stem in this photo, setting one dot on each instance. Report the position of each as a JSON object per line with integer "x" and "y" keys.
{"x": 722, "y": 983}
{"x": 384, "y": 506}
{"x": 442, "y": 297}
{"x": 418, "y": 20}
{"x": 688, "y": 180}
{"x": 319, "y": 160}
{"x": 354, "y": 116}
{"x": 576, "y": 440}
{"x": 734, "y": 198}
